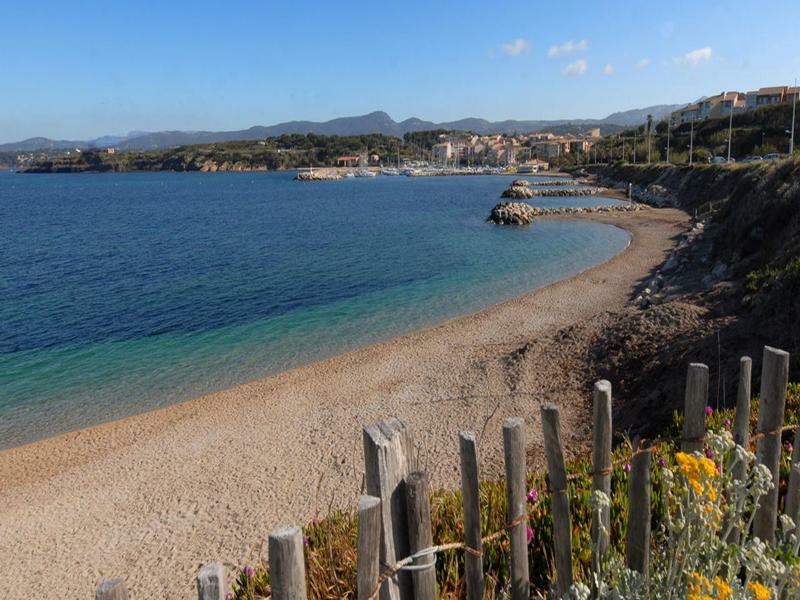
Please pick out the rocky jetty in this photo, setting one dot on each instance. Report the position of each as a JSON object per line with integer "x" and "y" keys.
{"x": 521, "y": 189}
{"x": 520, "y": 213}
{"x": 320, "y": 175}
{"x": 555, "y": 182}
{"x": 580, "y": 191}
{"x": 517, "y": 192}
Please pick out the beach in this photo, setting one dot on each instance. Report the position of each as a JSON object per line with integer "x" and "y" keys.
{"x": 153, "y": 497}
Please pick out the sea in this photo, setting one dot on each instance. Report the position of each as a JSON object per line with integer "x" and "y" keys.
{"x": 122, "y": 293}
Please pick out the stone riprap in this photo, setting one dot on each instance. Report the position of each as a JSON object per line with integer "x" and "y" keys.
{"x": 520, "y": 213}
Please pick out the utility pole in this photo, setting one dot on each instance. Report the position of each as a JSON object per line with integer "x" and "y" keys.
{"x": 794, "y": 110}
{"x": 691, "y": 142}
{"x": 730, "y": 126}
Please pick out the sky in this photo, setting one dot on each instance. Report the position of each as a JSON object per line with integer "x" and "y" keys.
{"x": 82, "y": 69}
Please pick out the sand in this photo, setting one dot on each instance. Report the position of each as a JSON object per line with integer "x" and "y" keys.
{"x": 152, "y": 497}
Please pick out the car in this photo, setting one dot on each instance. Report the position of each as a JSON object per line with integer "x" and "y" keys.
{"x": 772, "y": 156}
{"x": 718, "y": 160}
{"x": 749, "y": 159}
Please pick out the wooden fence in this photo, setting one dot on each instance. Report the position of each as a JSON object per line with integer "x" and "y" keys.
{"x": 396, "y": 555}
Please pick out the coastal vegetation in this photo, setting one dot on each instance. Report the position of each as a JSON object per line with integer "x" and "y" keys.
{"x": 283, "y": 152}
{"x": 676, "y": 478}
{"x": 757, "y": 132}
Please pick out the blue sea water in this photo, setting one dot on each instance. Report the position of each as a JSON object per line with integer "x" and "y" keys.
{"x": 121, "y": 293}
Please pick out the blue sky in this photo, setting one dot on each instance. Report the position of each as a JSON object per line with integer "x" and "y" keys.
{"x": 79, "y": 69}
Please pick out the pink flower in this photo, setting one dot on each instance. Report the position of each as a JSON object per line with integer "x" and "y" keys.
{"x": 248, "y": 571}
{"x": 529, "y": 533}
{"x": 789, "y": 446}
{"x": 306, "y": 541}
{"x": 709, "y": 410}
{"x": 727, "y": 423}
{"x": 533, "y": 495}
{"x": 662, "y": 462}
{"x": 709, "y": 453}
{"x": 628, "y": 468}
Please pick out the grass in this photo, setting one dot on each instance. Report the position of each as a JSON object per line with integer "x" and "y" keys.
{"x": 331, "y": 542}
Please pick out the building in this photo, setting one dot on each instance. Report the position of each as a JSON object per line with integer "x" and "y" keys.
{"x": 347, "y": 161}
{"x": 550, "y": 149}
{"x": 687, "y": 114}
{"x": 720, "y": 105}
{"x": 442, "y": 152}
{"x": 594, "y": 133}
{"x": 579, "y": 145}
{"x": 533, "y": 166}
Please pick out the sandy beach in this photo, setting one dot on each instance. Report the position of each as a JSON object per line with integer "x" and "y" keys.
{"x": 152, "y": 497}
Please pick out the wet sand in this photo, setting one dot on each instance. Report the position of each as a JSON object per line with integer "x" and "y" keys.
{"x": 152, "y": 497}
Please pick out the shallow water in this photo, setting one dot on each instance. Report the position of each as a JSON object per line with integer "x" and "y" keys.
{"x": 121, "y": 293}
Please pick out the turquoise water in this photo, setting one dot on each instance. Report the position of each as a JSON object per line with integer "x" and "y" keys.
{"x": 121, "y": 293}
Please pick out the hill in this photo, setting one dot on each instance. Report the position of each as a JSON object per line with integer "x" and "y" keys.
{"x": 375, "y": 122}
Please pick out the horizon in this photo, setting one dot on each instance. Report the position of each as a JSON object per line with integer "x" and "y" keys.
{"x": 77, "y": 75}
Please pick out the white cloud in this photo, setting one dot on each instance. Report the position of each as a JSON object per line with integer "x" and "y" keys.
{"x": 569, "y": 47}
{"x": 694, "y": 58}
{"x": 577, "y": 68}
{"x": 515, "y": 48}
{"x": 644, "y": 63}
{"x": 608, "y": 69}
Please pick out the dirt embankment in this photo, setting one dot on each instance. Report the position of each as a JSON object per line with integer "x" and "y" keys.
{"x": 729, "y": 288}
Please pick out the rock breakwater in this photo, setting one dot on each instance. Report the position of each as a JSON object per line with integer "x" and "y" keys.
{"x": 520, "y": 213}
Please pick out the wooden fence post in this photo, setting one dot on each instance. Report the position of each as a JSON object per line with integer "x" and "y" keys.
{"x": 601, "y": 467}
{"x": 637, "y": 549}
{"x": 389, "y": 458}
{"x": 774, "y": 378}
{"x": 369, "y": 545}
{"x": 287, "y": 568}
{"x": 792, "y": 501}
{"x": 111, "y": 589}
{"x": 211, "y": 582}
{"x": 694, "y": 413}
{"x": 420, "y": 536}
{"x": 557, "y": 479}
{"x": 741, "y": 427}
{"x": 514, "y": 450}
{"x": 470, "y": 494}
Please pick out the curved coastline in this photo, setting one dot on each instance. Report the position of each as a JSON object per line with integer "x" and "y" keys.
{"x": 206, "y": 478}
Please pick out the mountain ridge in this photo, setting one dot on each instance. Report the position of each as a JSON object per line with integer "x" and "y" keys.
{"x": 374, "y": 122}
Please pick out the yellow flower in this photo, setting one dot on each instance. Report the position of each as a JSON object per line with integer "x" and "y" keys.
{"x": 722, "y": 588}
{"x": 698, "y": 472}
{"x": 760, "y": 592}
{"x": 699, "y": 588}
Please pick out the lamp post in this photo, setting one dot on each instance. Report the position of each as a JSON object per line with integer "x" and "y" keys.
{"x": 669, "y": 127}
{"x": 730, "y": 129}
{"x": 794, "y": 110}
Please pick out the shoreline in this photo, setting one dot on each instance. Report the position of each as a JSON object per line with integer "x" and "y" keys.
{"x": 152, "y": 496}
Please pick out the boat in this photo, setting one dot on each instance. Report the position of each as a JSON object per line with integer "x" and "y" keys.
{"x": 365, "y": 173}
{"x": 390, "y": 171}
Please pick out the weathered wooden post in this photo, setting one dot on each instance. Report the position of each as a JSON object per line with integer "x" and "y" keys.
{"x": 774, "y": 377}
{"x": 369, "y": 545}
{"x": 601, "y": 467}
{"x": 741, "y": 427}
{"x": 470, "y": 494}
{"x": 637, "y": 549}
{"x": 514, "y": 450}
{"x": 111, "y": 589}
{"x": 389, "y": 458}
{"x": 211, "y": 582}
{"x": 420, "y": 536}
{"x": 694, "y": 413}
{"x": 287, "y": 567}
{"x": 792, "y": 501}
{"x": 557, "y": 479}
